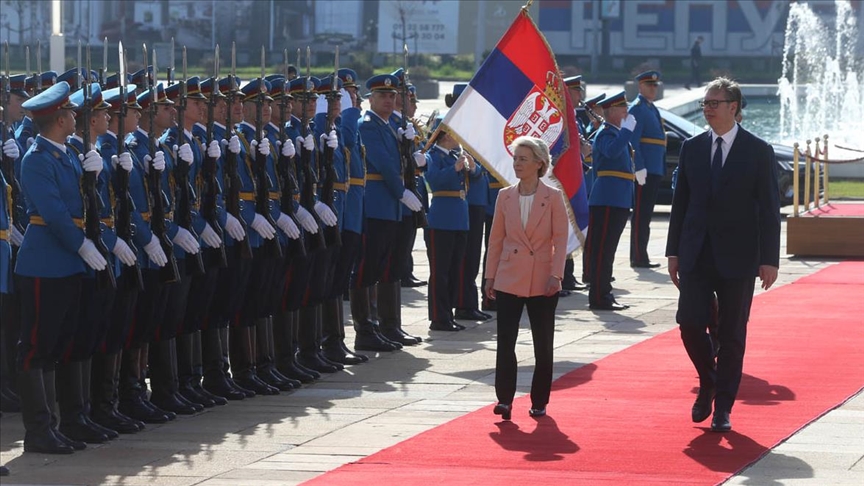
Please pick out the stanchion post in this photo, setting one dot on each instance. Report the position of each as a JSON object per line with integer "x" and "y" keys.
{"x": 817, "y": 202}
{"x": 825, "y": 168}
{"x": 807, "y": 184}
{"x": 795, "y": 184}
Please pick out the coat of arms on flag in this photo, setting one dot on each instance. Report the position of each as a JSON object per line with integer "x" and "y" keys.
{"x": 537, "y": 116}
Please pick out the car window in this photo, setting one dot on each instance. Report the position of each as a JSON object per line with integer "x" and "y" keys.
{"x": 680, "y": 123}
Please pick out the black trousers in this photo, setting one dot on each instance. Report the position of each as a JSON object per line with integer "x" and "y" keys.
{"x": 541, "y": 314}
{"x": 445, "y": 250}
{"x": 466, "y": 296}
{"x": 94, "y": 318}
{"x": 606, "y": 223}
{"x": 379, "y": 243}
{"x": 257, "y": 300}
{"x": 230, "y": 291}
{"x": 202, "y": 289}
{"x": 296, "y": 280}
{"x": 49, "y": 316}
{"x": 640, "y": 220}
{"x": 122, "y": 313}
{"x": 734, "y": 299}
{"x": 405, "y": 246}
{"x": 175, "y": 303}
{"x": 488, "y": 229}
{"x": 149, "y": 309}
{"x": 345, "y": 262}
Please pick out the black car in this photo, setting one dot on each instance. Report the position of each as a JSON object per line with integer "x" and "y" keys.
{"x": 679, "y": 129}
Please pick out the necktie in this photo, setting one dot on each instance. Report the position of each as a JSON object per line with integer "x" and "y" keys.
{"x": 717, "y": 164}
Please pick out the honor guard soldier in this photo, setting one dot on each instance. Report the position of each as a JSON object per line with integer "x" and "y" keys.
{"x": 350, "y": 218}
{"x": 448, "y": 172}
{"x": 157, "y": 260}
{"x": 611, "y": 198}
{"x": 577, "y": 94}
{"x": 385, "y": 194}
{"x": 26, "y": 131}
{"x": 53, "y": 258}
{"x": 595, "y": 113}
{"x": 649, "y": 143}
{"x": 246, "y": 351}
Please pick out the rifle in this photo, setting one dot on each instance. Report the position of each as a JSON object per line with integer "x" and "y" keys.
{"x": 210, "y": 191}
{"x": 17, "y": 211}
{"x": 231, "y": 176}
{"x": 39, "y": 66}
{"x": 92, "y": 202}
{"x": 169, "y": 273}
{"x": 331, "y": 233}
{"x": 104, "y": 71}
{"x": 262, "y": 179}
{"x": 123, "y": 221}
{"x": 310, "y": 178}
{"x": 184, "y": 193}
{"x": 286, "y": 171}
{"x": 406, "y": 148}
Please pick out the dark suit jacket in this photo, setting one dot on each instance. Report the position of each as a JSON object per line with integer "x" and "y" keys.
{"x": 742, "y": 218}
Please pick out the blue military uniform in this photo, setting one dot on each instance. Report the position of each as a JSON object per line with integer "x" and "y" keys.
{"x": 649, "y": 144}
{"x": 610, "y": 202}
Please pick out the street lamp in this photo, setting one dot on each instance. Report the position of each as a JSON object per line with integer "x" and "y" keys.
{"x": 56, "y": 43}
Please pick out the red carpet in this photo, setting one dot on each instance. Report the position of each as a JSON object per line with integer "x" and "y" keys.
{"x": 837, "y": 210}
{"x": 625, "y": 419}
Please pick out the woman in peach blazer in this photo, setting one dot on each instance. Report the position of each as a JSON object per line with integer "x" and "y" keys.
{"x": 524, "y": 267}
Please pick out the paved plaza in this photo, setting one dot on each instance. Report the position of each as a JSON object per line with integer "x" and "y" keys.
{"x": 286, "y": 439}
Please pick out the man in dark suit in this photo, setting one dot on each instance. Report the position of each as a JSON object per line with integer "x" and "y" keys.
{"x": 724, "y": 230}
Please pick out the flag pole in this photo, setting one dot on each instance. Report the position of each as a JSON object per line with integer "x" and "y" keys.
{"x": 527, "y": 5}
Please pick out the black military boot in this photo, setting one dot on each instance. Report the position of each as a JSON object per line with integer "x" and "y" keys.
{"x": 333, "y": 335}
{"x": 243, "y": 361}
{"x": 214, "y": 380}
{"x": 286, "y": 349}
{"x": 133, "y": 401}
{"x": 9, "y": 400}
{"x": 70, "y": 395}
{"x": 224, "y": 340}
{"x": 375, "y": 316}
{"x": 390, "y": 308}
{"x": 198, "y": 371}
{"x": 308, "y": 347}
{"x": 104, "y": 395}
{"x": 265, "y": 366}
{"x": 164, "y": 384}
{"x": 86, "y": 392}
{"x": 36, "y": 414}
{"x": 366, "y": 337}
{"x": 186, "y": 370}
{"x": 49, "y": 380}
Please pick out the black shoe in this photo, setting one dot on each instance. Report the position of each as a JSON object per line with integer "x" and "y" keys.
{"x": 171, "y": 403}
{"x": 74, "y": 444}
{"x": 644, "y": 265}
{"x": 471, "y": 315}
{"x": 563, "y": 293}
{"x": 137, "y": 410}
{"x": 107, "y": 431}
{"x": 252, "y": 382}
{"x": 313, "y": 361}
{"x": 333, "y": 351}
{"x": 504, "y": 410}
{"x": 368, "y": 340}
{"x": 116, "y": 421}
{"x": 608, "y": 306}
{"x": 573, "y": 285}
{"x": 537, "y": 412}
{"x": 702, "y": 406}
{"x": 448, "y": 326}
{"x": 216, "y": 384}
{"x": 4, "y": 471}
{"x": 412, "y": 282}
{"x": 720, "y": 422}
{"x": 82, "y": 432}
{"x": 191, "y": 395}
{"x": 459, "y": 326}
{"x": 46, "y": 444}
{"x": 398, "y": 335}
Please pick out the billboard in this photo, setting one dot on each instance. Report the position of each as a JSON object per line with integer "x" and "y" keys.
{"x": 429, "y": 26}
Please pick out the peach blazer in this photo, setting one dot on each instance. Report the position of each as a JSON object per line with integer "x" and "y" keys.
{"x": 521, "y": 261}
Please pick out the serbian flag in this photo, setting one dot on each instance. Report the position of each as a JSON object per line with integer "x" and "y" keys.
{"x": 519, "y": 91}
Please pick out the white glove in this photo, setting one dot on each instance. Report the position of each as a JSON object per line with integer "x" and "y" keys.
{"x": 262, "y": 227}
{"x": 10, "y": 149}
{"x": 158, "y": 162}
{"x": 306, "y": 220}
{"x": 330, "y": 139}
{"x": 409, "y": 132}
{"x": 213, "y": 151}
{"x": 286, "y": 224}
{"x": 234, "y": 144}
{"x": 326, "y": 214}
{"x": 91, "y": 255}
{"x": 420, "y": 159}
{"x": 629, "y": 123}
{"x": 641, "y": 175}
{"x": 288, "y": 149}
{"x": 124, "y": 253}
{"x": 186, "y": 241}
{"x": 124, "y": 161}
{"x": 15, "y": 236}
{"x": 410, "y": 200}
{"x": 210, "y": 237}
{"x": 185, "y": 153}
{"x": 234, "y": 228}
{"x": 30, "y": 141}
{"x": 263, "y": 146}
{"x": 92, "y": 162}
{"x": 309, "y": 142}
{"x": 154, "y": 252}
{"x": 345, "y": 100}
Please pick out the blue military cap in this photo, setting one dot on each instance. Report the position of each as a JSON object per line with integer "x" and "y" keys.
{"x": 96, "y": 102}
{"x": 271, "y": 77}
{"x": 74, "y": 76}
{"x": 574, "y": 82}
{"x": 412, "y": 92}
{"x": 140, "y": 77}
{"x": 193, "y": 89}
{"x": 277, "y": 88}
{"x": 18, "y": 85}
{"x": 145, "y": 99}
{"x": 112, "y": 97}
{"x": 648, "y": 77}
{"x": 382, "y": 82}
{"x": 225, "y": 85}
{"x": 348, "y": 77}
{"x": 50, "y": 101}
{"x": 616, "y": 100}
{"x": 113, "y": 81}
{"x": 591, "y": 103}
{"x": 299, "y": 87}
{"x": 253, "y": 88}
{"x": 450, "y": 98}
{"x": 207, "y": 90}
{"x": 399, "y": 74}
{"x": 325, "y": 86}
{"x": 48, "y": 79}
